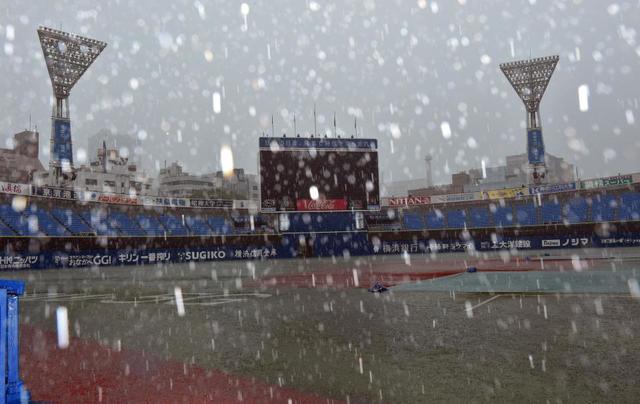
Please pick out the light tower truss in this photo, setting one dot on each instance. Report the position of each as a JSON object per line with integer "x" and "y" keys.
{"x": 67, "y": 57}
{"x": 530, "y": 79}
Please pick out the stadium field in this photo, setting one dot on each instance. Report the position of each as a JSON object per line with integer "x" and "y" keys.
{"x": 303, "y": 331}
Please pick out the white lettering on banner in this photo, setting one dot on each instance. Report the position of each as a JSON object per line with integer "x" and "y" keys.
{"x": 203, "y": 255}
{"x": 18, "y": 261}
{"x": 551, "y": 243}
{"x": 82, "y": 260}
{"x": 409, "y": 201}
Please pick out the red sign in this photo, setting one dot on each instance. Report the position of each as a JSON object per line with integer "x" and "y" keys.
{"x": 410, "y": 201}
{"x": 123, "y": 200}
{"x": 321, "y": 204}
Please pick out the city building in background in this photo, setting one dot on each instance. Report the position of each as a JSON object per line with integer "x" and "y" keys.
{"x": 175, "y": 182}
{"x": 111, "y": 173}
{"x": 515, "y": 173}
{"x": 20, "y": 163}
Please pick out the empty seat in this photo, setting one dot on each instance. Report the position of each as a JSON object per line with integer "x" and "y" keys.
{"x": 173, "y": 225}
{"x": 97, "y": 219}
{"x": 503, "y": 216}
{"x": 198, "y": 226}
{"x": 479, "y": 217}
{"x": 17, "y": 221}
{"x": 412, "y": 221}
{"x": 576, "y": 210}
{"x": 526, "y": 214}
{"x": 150, "y": 225}
{"x": 41, "y": 220}
{"x": 71, "y": 220}
{"x": 456, "y": 218}
{"x": 630, "y": 206}
{"x": 604, "y": 208}
{"x": 219, "y": 225}
{"x": 125, "y": 224}
{"x": 435, "y": 219}
{"x": 6, "y": 231}
{"x": 551, "y": 212}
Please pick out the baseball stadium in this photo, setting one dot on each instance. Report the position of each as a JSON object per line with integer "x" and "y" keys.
{"x": 323, "y": 291}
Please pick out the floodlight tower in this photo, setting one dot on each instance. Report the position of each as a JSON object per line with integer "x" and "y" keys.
{"x": 67, "y": 56}
{"x": 530, "y": 79}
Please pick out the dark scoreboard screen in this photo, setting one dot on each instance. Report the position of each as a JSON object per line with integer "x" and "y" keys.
{"x": 315, "y": 174}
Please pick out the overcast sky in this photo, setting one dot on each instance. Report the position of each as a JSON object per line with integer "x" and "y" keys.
{"x": 401, "y": 67}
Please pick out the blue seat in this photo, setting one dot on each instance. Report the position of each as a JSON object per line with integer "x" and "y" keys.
{"x": 551, "y": 212}
{"x": 174, "y": 226}
{"x": 45, "y": 223}
{"x": 604, "y": 208}
{"x": 630, "y": 206}
{"x": 125, "y": 224}
{"x": 412, "y": 221}
{"x": 480, "y": 217}
{"x": 6, "y": 231}
{"x": 456, "y": 218}
{"x": 503, "y": 216}
{"x": 526, "y": 214}
{"x": 219, "y": 225}
{"x": 150, "y": 225}
{"x": 97, "y": 219}
{"x": 71, "y": 220}
{"x": 576, "y": 210}
{"x": 198, "y": 226}
{"x": 17, "y": 221}
{"x": 435, "y": 219}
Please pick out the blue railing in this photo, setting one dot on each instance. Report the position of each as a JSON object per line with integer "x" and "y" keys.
{"x": 12, "y": 389}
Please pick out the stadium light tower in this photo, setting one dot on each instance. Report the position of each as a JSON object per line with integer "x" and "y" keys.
{"x": 67, "y": 56}
{"x": 530, "y": 79}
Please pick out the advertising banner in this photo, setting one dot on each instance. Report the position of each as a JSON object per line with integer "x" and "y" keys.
{"x": 324, "y": 204}
{"x": 210, "y": 203}
{"x": 57, "y": 193}
{"x": 617, "y": 180}
{"x": 275, "y": 143}
{"x": 12, "y": 188}
{"x": 119, "y": 199}
{"x": 535, "y": 146}
{"x": 551, "y": 188}
{"x": 62, "y": 150}
{"x": 506, "y": 193}
{"x": 409, "y": 201}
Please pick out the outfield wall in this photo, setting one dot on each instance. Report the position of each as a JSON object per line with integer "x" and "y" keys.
{"x": 145, "y": 251}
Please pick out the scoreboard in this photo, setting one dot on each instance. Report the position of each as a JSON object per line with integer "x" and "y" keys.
{"x": 318, "y": 174}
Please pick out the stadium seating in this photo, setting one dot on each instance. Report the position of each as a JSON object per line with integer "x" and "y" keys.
{"x": 125, "y": 224}
{"x": 630, "y": 206}
{"x": 412, "y": 221}
{"x": 219, "y": 225}
{"x": 551, "y": 212}
{"x": 604, "y": 208}
{"x": 576, "y": 210}
{"x": 17, "y": 221}
{"x": 45, "y": 223}
{"x": 97, "y": 219}
{"x": 456, "y": 218}
{"x": 174, "y": 226}
{"x": 71, "y": 221}
{"x": 526, "y": 214}
{"x": 503, "y": 216}
{"x": 314, "y": 222}
{"x": 6, "y": 231}
{"x": 480, "y": 217}
{"x": 151, "y": 225}
{"x": 435, "y": 219}
{"x": 197, "y": 226}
